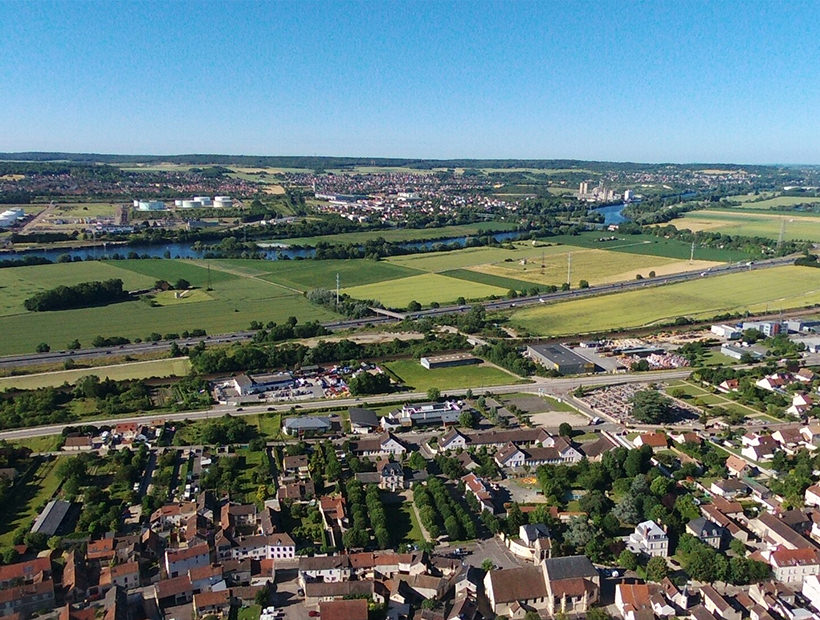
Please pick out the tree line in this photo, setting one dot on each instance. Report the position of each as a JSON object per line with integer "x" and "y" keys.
{"x": 83, "y": 295}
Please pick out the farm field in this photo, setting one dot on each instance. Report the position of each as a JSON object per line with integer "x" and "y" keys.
{"x": 522, "y": 267}
{"x": 756, "y": 291}
{"x": 416, "y": 376}
{"x": 304, "y": 275}
{"x": 176, "y": 367}
{"x": 19, "y": 283}
{"x": 801, "y": 227}
{"x": 750, "y": 201}
{"x": 399, "y": 234}
{"x": 235, "y": 301}
{"x": 425, "y": 289}
{"x": 649, "y": 245}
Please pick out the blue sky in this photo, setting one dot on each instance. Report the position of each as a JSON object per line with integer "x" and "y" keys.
{"x": 639, "y": 81}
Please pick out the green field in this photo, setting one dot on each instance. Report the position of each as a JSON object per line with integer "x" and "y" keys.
{"x": 486, "y": 278}
{"x": 750, "y": 201}
{"x": 304, "y": 275}
{"x": 19, "y": 283}
{"x": 530, "y": 265}
{"x": 648, "y": 244}
{"x": 29, "y": 496}
{"x": 176, "y": 367}
{"x": 404, "y": 528}
{"x": 400, "y": 234}
{"x": 417, "y": 377}
{"x": 236, "y": 300}
{"x": 43, "y": 443}
{"x": 802, "y": 227}
{"x": 425, "y": 288}
{"x": 755, "y": 291}
{"x": 173, "y": 270}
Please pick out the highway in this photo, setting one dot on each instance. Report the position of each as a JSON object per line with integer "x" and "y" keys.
{"x": 559, "y": 387}
{"x": 28, "y": 359}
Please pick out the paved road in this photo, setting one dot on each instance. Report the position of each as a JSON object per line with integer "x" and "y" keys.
{"x": 544, "y": 385}
{"x": 145, "y": 347}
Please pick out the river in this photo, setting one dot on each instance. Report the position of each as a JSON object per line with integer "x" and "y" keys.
{"x": 613, "y": 214}
{"x": 186, "y": 250}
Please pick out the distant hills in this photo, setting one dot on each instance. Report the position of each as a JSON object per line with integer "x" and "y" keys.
{"x": 321, "y": 163}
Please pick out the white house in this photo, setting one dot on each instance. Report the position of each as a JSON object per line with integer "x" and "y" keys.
{"x": 801, "y": 403}
{"x": 811, "y": 590}
{"x": 650, "y": 539}
{"x": 812, "y": 496}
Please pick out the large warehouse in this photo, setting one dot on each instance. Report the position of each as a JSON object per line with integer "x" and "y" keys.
{"x": 560, "y": 358}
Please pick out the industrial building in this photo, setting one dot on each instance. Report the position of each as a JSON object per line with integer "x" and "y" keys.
{"x": 149, "y": 205}
{"x": 10, "y": 217}
{"x": 445, "y": 361}
{"x": 560, "y": 358}
{"x": 768, "y": 328}
{"x": 730, "y": 332}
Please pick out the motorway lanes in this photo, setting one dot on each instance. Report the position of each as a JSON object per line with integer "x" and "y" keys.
{"x": 559, "y": 387}
{"x": 144, "y": 347}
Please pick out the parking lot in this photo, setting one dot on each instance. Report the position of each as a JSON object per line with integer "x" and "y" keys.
{"x": 492, "y": 549}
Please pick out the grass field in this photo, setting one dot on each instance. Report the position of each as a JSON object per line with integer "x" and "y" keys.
{"x": 173, "y": 298}
{"x": 544, "y": 265}
{"x": 750, "y": 201}
{"x": 425, "y": 288}
{"x": 648, "y": 244}
{"x": 176, "y": 367}
{"x": 756, "y": 291}
{"x": 401, "y": 234}
{"x": 416, "y": 376}
{"x": 487, "y": 278}
{"x": 236, "y": 300}
{"x": 28, "y": 497}
{"x": 305, "y": 275}
{"x": 47, "y": 443}
{"x": 404, "y": 527}
{"x": 19, "y": 283}
{"x": 747, "y": 224}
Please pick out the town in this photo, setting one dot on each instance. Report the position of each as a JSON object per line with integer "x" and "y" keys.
{"x": 409, "y": 311}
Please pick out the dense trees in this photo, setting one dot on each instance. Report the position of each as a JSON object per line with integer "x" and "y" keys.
{"x": 652, "y": 407}
{"x": 439, "y": 511}
{"x": 367, "y": 383}
{"x": 81, "y": 295}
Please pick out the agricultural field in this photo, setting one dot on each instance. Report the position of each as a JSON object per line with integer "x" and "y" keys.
{"x": 236, "y": 299}
{"x": 763, "y": 202}
{"x": 304, "y": 275}
{"x": 419, "y": 378}
{"x": 176, "y": 367}
{"x": 399, "y": 234}
{"x": 425, "y": 289}
{"x": 19, "y": 283}
{"x": 797, "y": 227}
{"x": 649, "y": 245}
{"x": 544, "y": 265}
{"x": 755, "y": 291}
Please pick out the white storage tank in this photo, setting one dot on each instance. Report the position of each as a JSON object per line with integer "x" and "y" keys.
{"x": 204, "y": 200}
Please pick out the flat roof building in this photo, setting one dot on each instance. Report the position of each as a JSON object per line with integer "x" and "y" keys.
{"x": 444, "y": 361}
{"x": 560, "y": 358}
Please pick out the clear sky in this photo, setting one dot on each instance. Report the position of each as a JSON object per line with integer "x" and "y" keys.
{"x": 713, "y": 81}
